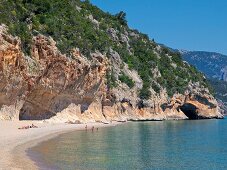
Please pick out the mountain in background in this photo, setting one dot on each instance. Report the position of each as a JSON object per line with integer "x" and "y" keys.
{"x": 220, "y": 88}
{"x": 213, "y": 65}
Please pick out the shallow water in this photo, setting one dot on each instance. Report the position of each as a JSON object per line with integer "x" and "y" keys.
{"x": 188, "y": 144}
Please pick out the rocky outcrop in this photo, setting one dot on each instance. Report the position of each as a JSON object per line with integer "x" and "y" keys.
{"x": 199, "y": 104}
{"x": 13, "y": 84}
{"x": 62, "y": 81}
{"x": 48, "y": 85}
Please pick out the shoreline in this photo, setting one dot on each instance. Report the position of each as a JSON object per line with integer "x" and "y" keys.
{"x": 15, "y": 142}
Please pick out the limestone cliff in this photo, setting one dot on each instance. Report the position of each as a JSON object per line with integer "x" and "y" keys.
{"x": 50, "y": 85}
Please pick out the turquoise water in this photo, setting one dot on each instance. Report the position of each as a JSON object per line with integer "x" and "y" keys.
{"x": 191, "y": 144}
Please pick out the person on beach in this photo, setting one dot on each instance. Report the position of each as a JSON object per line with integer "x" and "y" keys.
{"x": 24, "y": 127}
{"x": 28, "y": 127}
{"x": 86, "y": 127}
{"x": 33, "y": 126}
{"x": 92, "y": 128}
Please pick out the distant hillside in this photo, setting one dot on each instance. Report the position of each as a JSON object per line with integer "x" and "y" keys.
{"x": 213, "y": 65}
{"x": 220, "y": 88}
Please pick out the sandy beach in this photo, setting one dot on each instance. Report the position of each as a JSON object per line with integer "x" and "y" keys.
{"x": 14, "y": 141}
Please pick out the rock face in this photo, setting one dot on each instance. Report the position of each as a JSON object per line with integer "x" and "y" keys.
{"x": 13, "y": 82}
{"x": 48, "y": 85}
{"x": 213, "y": 65}
{"x": 199, "y": 104}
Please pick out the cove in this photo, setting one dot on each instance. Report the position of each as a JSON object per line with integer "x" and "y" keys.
{"x": 189, "y": 144}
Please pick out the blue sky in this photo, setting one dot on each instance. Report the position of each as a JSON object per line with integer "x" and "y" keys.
{"x": 184, "y": 24}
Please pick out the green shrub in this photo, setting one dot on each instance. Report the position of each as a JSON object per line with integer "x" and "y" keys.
{"x": 121, "y": 16}
{"x": 127, "y": 80}
{"x": 71, "y": 28}
{"x": 111, "y": 79}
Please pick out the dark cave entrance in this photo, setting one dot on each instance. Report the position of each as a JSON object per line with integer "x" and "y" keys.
{"x": 190, "y": 111}
{"x": 27, "y": 115}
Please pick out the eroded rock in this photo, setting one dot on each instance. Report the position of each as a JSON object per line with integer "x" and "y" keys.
{"x": 49, "y": 85}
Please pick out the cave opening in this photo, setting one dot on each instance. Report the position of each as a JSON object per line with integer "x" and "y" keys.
{"x": 190, "y": 111}
{"x": 27, "y": 115}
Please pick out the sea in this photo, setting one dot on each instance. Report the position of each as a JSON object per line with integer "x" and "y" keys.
{"x": 182, "y": 144}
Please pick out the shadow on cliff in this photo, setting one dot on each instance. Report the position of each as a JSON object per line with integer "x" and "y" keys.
{"x": 190, "y": 111}
{"x": 42, "y": 104}
{"x": 31, "y": 111}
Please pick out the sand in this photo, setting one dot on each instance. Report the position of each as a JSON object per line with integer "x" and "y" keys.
{"x": 14, "y": 142}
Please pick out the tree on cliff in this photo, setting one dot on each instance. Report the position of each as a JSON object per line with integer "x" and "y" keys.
{"x": 121, "y": 16}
